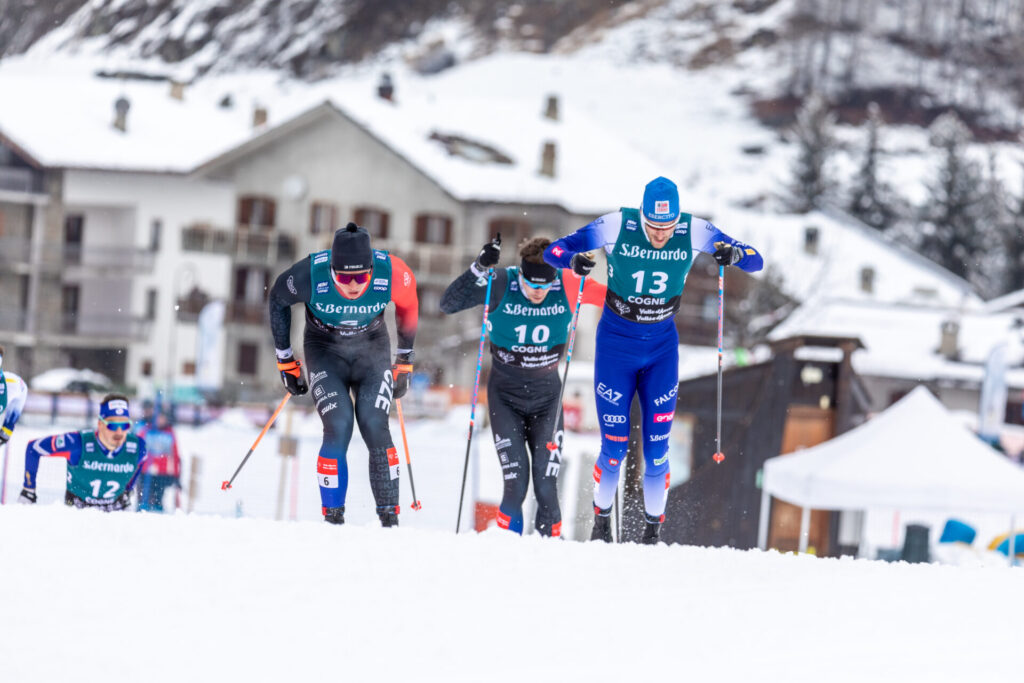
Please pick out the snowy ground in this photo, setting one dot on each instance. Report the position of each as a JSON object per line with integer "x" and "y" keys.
{"x": 170, "y": 598}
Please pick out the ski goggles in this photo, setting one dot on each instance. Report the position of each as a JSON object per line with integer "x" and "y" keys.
{"x": 117, "y": 425}
{"x": 660, "y": 225}
{"x": 348, "y": 278}
{"x": 535, "y": 285}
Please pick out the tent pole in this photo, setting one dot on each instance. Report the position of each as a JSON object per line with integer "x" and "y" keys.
{"x": 762, "y": 521}
{"x": 805, "y": 527}
{"x": 1013, "y": 539}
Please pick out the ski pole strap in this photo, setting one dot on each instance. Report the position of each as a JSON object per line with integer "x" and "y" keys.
{"x": 292, "y": 367}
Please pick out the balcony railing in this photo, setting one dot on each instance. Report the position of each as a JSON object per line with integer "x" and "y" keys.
{"x": 93, "y": 326}
{"x": 248, "y": 312}
{"x": 15, "y": 250}
{"x": 90, "y": 258}
{"x": 270, "y": 246}
{"x": 17, "y": 179}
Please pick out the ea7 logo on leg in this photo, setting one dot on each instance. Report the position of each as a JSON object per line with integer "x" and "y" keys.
{"x": 385, "y": 392}
{"x": 663, "y": 417}
{"x": 609, "y": 394}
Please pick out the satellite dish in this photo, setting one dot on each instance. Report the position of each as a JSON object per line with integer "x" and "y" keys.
{"x": 295, "y": 187}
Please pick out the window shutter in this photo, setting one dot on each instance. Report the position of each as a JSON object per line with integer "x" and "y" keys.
{"x": 421, "y": 228}
{"x": 447, "y": 230}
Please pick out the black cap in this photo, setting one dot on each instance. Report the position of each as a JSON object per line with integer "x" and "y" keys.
{"x": 537, "y": 273}
{"x": 351, "y": 249}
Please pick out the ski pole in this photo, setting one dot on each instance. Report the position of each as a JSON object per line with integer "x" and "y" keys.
{"x": 280, "y": 406}
{"x": 553, "y": 444}
{"x": 3, "y": 481}
{"x": 408, "y": 463}
{"x": 476, "y": 386}
{"x": 719, "y": 456}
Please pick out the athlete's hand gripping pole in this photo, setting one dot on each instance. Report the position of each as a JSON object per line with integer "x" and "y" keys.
{"x": 408, "y": 462}
{"x": 719, "y": 456}
{"x": 476, "y": 386}
{"x": 280, "y": 406}
{"x": 553, "y": 443}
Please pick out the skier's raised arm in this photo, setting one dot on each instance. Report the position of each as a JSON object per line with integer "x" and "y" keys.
{"x": 470, "y": 288}
{"x": 726, "y": 250}
{"x": 67, "y": 446}
{"x": 599, "y": 233}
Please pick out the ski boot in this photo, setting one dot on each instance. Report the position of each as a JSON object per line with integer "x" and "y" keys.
{"x": 602, "y": 530}
{"x": 334, "y": 515}
{"x": 651, "y": 530}
{"x": 388, "y": 516}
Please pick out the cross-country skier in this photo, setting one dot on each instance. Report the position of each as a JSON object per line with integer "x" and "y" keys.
{"x": 102, "y": 463}
{"x": 529, "y": 314}
{"x": 13, "y": 393}
{"x": 345, "y": 291}
{"x": 162, "y": 468}
{"x": 650, "y": 251}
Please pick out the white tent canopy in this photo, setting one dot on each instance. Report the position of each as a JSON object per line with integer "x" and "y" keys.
{"x": 914, "y": 455}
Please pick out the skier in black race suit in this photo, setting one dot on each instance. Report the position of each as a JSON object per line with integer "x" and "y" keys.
{"x": 345, "y": 291}
{"x": 529, "y": 314}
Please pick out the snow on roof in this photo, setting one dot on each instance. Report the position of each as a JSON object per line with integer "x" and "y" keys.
{"x": 902, "y": 340}
{"x": 62, "y": 115}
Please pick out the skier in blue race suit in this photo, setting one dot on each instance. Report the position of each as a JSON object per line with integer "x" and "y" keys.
{"x": 650, "y": 251}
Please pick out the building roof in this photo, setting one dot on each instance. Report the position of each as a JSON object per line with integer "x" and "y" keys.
{"x": 902, "y": 340}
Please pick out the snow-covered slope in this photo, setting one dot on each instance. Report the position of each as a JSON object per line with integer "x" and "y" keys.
{"x": 89, "y": 596}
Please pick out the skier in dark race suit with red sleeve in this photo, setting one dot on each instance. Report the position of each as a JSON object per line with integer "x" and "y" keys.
{"x": 345, "y": 292}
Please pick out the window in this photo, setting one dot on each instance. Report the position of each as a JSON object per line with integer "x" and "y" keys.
{"x": 513, "y": 230}
{"x": 188, "y": 368}
{"x": 709, "y": 307}
{"x": 323, "y": 217}
{"x": 74, "y": 226}
{"x": 150, "y": 304}
{"x": 147, "y": 368}
{"x": 867, "y": 279}
{"x": 68, "y": 307}
{"x": 433, "y": 229}
{"x": 247, "y": 353}
{"x": 256, "y": 213}
{"x": 25, "y": 288}
{"x": 156, "y": 229}
{"x": 811, "y": 240}
{"x": 374, "y": 220}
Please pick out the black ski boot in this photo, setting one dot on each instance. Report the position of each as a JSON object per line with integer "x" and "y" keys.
{"x": 602, "y": 530}
{"x": 388, "y": 516}
{"x": 334, "y": 515}
{"x": 651, "y": 530}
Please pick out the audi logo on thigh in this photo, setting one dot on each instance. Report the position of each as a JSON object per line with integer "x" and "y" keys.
{"x": 614, "y": 419}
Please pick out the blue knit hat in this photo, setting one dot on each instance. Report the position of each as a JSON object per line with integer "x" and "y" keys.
{"x": 114, "y": 407}
{"x": 661, "y": 201}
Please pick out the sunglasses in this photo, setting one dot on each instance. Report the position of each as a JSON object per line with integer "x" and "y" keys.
{"x": 349, "y": 278}
{"x": 536, "y": 285}
{"x": 117, "y": 426}
{"x": 661, "y": 226}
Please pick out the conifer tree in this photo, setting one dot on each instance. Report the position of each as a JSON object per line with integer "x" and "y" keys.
{"x": 815, "y": 138}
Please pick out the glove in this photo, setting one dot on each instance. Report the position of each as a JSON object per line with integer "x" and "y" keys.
{"x": 28, "y": 496}
{"x": 489, "y": 254}
{"x": 726, "y": 254}
{"x": 401, "y": 371}
{"x": 291, "y": 375}
{"x": 582, "y": 264}
{"x": 5, "y": 435}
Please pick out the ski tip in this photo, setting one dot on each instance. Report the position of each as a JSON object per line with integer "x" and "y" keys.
{"x": 552, "y": 446}
{"x": 718, "y": 457}
{"x": 225, "y": 485}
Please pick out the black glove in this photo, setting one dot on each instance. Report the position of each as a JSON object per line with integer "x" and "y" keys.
{"x": 291, "y": 375}
{"x": 489, "y": 254}
{"x": 581, "y": 264}
{"x": 401, "y": 371}
{"x": 5, "y": 435}
{"x": 27, "y": 496}
{"x": 726, "y": 254}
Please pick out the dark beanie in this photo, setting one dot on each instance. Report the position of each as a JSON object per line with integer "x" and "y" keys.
{"x": 351, "y": 249}
{"x": 537, "y": 273}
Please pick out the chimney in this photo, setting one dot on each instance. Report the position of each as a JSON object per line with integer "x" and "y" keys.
{"x": 547, "y": 160}
{"x": 177, "y": 90}
{"x": 386, "y": 88}
{"x": 949, "y": 340}
{"x": 551, "y": 110}
{"x": 259, "y": 116}
{"x": 121, "y": 107}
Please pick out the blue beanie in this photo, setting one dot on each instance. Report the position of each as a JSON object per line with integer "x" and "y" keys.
{"x": 114, "y": 407}
{"x": 661, "y": 201}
